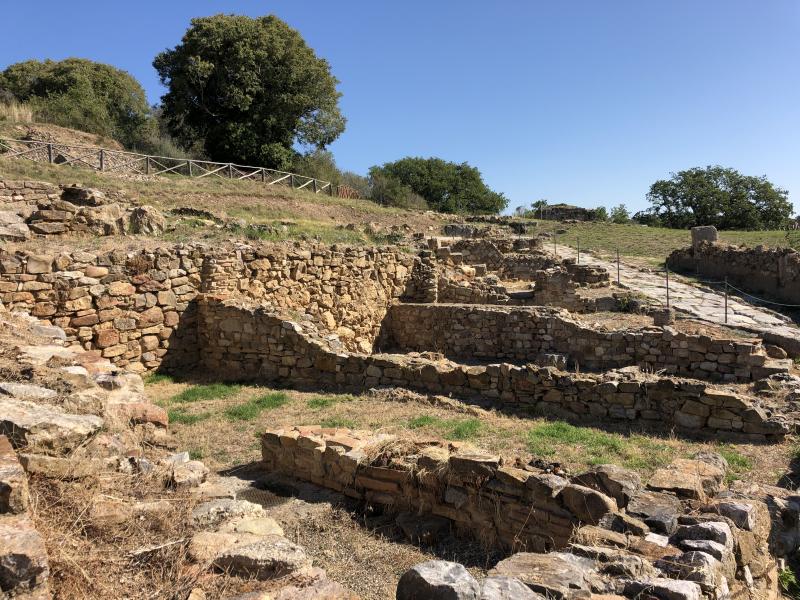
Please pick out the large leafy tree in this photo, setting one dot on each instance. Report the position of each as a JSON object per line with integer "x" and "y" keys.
{"x": 721, "y": 197}
{"x": 82, "y": 94}
{"x": 247, "y": 90}
{"x": 445, "y": 186}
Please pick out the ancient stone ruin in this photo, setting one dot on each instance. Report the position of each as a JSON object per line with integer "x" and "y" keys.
{"x": 484, "y": 318}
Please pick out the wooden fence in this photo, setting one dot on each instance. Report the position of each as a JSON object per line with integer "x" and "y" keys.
{"x": 119, "y": 161}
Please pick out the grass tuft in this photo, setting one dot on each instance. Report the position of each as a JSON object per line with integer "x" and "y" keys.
{"x": 211, "y": 391}
{"x": 335, "y": 422}
{"x": 319, "y": 402}
{"x": 179, "y": 415}
{"x": 250, "y": 410}
{"x": 451, "y": 429}
{"x": 156, "y": 378}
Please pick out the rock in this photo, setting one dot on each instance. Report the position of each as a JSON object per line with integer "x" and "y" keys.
{"x": 45, "y": 427}
{"x": 188, "y": 475}
{"x": 621, "y": 484}
{"x": 14, "y": 495}
{"x": 38, "y": 263}
{"x": 588, "y": 505}
{"x": 556, "y": 574}
{"x": 206, "y": 546}
{"x": 506, "y": 588}
{"x": 83, "y": 196}
{"x": 26, "y": 391}
{"x": 703, "y": 233}
{"x": 775, "y": 351}
{"x": 23, "y": 557}
{"x": 716, "y": 531}
{"x": 682, "y": 484}
{"x": 260, "y": 526}
{"x": 663, "y": 589}
{"x": 272, "y": 556}
{"x": 695, "y": 566}
{"x": 214, "y": 512}
{"x": 312, "y": 584}
{"x": 663, "y": 317}
{"x": 146, "y": 220}
{"x": 657, "y": 509}
{"x": 66, "y": 468}
{"x": 437, "y": 580}
{"x": 742, "y": 514}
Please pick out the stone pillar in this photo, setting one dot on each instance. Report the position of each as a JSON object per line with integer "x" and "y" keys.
{"x": 705, "y": 233}
{"x": 663, "y": 317}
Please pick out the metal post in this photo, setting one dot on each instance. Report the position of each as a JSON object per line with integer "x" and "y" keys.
{"x": 666, "y": 270}
{"x": 102, "y": 160}
{"x": 578, "y": 244}
{"x": 618, "y": 282}
{"x": 726, "y": 299}
{"x": 50, "y": 153}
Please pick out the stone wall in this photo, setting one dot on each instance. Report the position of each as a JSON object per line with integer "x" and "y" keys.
{"x": 248, "y": 342}
{"x": 522, "y": 334}
{"x": 676, "y": 537}
{"x": 773, "y": 273}
{"x": 29, "y": 208}
{"x": 138, "y": 308}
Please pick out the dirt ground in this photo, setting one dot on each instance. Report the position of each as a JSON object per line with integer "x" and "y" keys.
{"x": 616, "y": 321}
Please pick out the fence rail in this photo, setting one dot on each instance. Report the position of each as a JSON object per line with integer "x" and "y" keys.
{"x": 120, "y": 161}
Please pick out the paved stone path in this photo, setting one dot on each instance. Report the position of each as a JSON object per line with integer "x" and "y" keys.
{"x": 699, "y": 301}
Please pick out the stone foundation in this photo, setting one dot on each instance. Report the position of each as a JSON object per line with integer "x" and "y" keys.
{"x": 521, "y": 334}
{"x": 602, "y": 527}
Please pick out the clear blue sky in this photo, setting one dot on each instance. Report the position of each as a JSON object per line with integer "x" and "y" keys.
{"x": 580, "y": 101}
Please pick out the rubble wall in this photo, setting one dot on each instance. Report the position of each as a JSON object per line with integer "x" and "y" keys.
{"x": 258, "y": 345}
{"x": 618, "y": 533}
{"x": 768, "y": 272}
{"x": 138, "y": 308}
{"x": 521, "y": 334}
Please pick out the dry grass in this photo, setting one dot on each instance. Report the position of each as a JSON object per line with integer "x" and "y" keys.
{"x": 225, "y": 442}
{"x": 17, "y": 112}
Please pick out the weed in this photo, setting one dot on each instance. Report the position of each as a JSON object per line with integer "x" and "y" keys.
{"x": 423, "y": 421}
{"x": 464, "y": 429}
{"x": 451, "y": 429}
{"x": 156, "y": 378}
{"x": 318, "y": 402}
{"x": 789, "y": 583}
{"x": 250, "y": 410}
{"x": 211, "y": 391}
{"x": 196, "y": 454}
{"x": 179, "y": 415}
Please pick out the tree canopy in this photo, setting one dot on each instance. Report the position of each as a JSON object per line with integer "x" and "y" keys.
{"x": 445, "y": 186}
{"x": 247, "y": 90}
{"x": 721, "y": 197}
{"x": 82, "y": 94}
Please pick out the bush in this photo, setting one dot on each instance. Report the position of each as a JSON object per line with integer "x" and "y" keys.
{"x": 619, "y": 215}
{"x": 82, "y": 94}
{"x": 600, "y": 214}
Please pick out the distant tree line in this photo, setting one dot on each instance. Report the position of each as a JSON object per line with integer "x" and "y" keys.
{"x": 713, "y": 195}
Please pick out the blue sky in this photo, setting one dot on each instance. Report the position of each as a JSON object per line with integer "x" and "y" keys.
{"x": 579, "y": 101}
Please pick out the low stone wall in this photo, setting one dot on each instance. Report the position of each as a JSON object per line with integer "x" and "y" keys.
{"x": 35, "y": 208}
{"x": 138, "y": 308}
{"x": 677, "y": 537}
{"x": 773, "y": 273}
{"x": 521, "y": 334}
{"x": 245, "y": 342}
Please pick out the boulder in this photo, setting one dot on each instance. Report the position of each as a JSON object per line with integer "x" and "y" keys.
{"x": 45, "y": 427}
{"x": 214, "y": 512}
{"x": 658, "y": 510}
{"x": 500, "y": 587}
{"x": 270, "y": 557}
{"x": 663, "y": 589}
{"x": 26, "y": 391}
{"x": 588, "y": 505}
{"x": 146, "y": 220}
{"x": 14, "y": 496}
{"x": 703, "y": 234}
{"x": 23, "y": 557}
{"x": 437, "y": 580}
{"x": 557, "y": 574}
{"x": 621, "y": 484}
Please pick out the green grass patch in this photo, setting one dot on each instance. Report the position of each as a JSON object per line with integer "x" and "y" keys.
{"x": 196, "y": 454}
{"x": 211, "y": 391}
{"x": 423, "y": 421}
{"x": 250, "y": 410}
{"x": 155, "y": 378}
{"x": 179, "y": 415}
{"x": 789, "y": 584}
{"x": 738, "y": 463}
{"x": 338, "y": 422}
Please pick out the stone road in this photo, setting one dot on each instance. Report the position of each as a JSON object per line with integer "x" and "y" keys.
{"x": 699, "y": 301}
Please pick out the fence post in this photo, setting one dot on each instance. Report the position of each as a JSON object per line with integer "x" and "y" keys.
{"x": 555, "y": 245}
{"x": 291, "y": 181}
{"x": 50, "y": 153}
{"x": 666, "y": 270}
{"x": 578, "y": 244}
{"x": 726, "y": 299}
{"x": 190, "y": 168}
{"x": 618, "y": 282}
{"x": 230, "y": 170}
{"x": 263, "y": 176}
{"x": 147, "y": 165}
{"x": 102, "y": 159}
{"x": 315, "y": 186}
{"x": 330, "y": 190}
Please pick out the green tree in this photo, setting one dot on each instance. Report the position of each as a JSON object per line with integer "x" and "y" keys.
{"x": 619, "y": 214}
{"x": 445, "y": 186}
{"x": 539, "y": 207}
{"x": 248, "y": 90}
{"x": 82, "y": 94}
{"x": 719, "y": 196}
{"x": 600, "y": 214}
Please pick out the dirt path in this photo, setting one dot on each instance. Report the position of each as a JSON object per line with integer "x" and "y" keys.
{"x": 697, "y": 300}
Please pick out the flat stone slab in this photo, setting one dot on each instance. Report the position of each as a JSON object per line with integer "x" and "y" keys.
{"x": 26, "y": 391}
{"x": 271, "y": 557}
{"x": 23, "y": 558}
{"x": 14, "y": 496}
{"x": 45, "y": 427}
{"x": 556, "y": 574}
